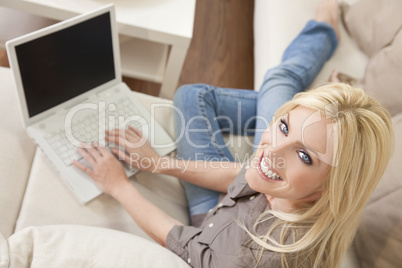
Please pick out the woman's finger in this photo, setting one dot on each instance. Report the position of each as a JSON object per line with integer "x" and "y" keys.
{"x": 103, "y": 151}
{"x": 114, "y": 131}
{"x": 94, "y": 151}
{"x": 83, "y": 168}
{"x": 134, "y": 130}
{"x": 87, "y": 156}
{"x": 121, "y": 155}
{"x": 116, "y": 140}
{"x": 122, "y": 133}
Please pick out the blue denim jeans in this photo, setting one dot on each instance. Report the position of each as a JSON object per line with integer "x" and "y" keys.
{"x": 207, "y": 112}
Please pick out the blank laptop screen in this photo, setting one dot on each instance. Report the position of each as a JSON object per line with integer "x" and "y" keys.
{"x": 64, "y": 64}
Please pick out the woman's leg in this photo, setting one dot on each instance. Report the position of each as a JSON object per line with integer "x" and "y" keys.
{"x": 207, "y": 112}
{"x": 301, "y": 62}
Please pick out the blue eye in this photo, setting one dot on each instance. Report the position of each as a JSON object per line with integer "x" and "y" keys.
{"x": 305, "y": 158}
{"x": 284, "y": 127}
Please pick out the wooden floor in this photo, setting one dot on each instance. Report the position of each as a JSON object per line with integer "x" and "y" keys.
{"x": 221, "y": 52}
{"x": 3, "y": 58}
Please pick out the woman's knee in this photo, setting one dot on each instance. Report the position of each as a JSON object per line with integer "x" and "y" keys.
{"x": 276, "y": 74}
{"x": 189, "y": 96}
{"x": 184, "y": 94}
{"x": 280, "y": 76}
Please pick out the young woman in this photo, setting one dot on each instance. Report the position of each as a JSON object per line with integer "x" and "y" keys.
{"x": 298, "y": 201}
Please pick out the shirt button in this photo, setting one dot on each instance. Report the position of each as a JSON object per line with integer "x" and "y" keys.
{"x": 252, "y": 197}
{"x": 189, "y": 260}
{"x": 211, "y": 225}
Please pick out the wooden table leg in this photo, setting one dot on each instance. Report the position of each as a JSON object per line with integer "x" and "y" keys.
{"x": 173, "y": 70}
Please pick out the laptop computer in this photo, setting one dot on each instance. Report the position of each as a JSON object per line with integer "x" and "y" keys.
{"x": 70, "y": 90}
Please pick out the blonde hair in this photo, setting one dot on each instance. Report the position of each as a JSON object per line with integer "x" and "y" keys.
{"x": 322, "y": 232}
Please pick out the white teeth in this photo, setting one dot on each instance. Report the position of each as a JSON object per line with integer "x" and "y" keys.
{"x": 267, "y": 172}
{"x": 264, "y": 167}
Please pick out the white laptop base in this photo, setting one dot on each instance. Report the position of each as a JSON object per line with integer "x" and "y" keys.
{"x": 104, "y": 107}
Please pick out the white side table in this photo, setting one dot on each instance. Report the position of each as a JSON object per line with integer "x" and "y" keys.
{"x": 154, "y": 34}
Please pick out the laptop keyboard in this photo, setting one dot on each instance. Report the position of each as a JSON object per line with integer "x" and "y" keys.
{"x": 90, "y": 129}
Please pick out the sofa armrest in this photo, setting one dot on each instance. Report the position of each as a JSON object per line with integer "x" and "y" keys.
{"x": 16, "y": 155}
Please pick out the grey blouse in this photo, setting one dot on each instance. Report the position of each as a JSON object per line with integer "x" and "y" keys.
{"x": 220, "y": 241}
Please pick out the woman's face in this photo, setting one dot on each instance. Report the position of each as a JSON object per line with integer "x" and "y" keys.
{"x": 293, "y": 158}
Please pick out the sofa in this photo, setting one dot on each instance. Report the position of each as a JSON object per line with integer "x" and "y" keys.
{"x": 42, "y": 224}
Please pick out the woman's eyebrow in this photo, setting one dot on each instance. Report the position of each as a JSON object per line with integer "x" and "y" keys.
{"x": 285, "y": 118}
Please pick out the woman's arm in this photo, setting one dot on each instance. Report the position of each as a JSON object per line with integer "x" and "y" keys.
{"x": 155, "y": 222}
{"x": 214, "y": 175}
{"x": 108, "y": 173}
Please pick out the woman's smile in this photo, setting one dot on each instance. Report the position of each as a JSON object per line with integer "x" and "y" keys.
{"x": 266, "y": 171}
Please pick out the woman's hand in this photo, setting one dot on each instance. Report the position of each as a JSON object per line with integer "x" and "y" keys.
{"x": 138, "y": 151}
{"x": 107, "y": 172}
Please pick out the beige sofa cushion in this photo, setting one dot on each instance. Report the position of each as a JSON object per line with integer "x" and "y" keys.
{"x": 161, "y": 109}
{"x": 16, "y": 154}
{"x": 376, "y": 25}
{"x": 379, "y": 238}
{"x": 80, "y": 246}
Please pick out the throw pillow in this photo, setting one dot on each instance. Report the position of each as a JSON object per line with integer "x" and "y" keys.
{"x": 83, "y": 246}
{"x": 383, "y": 77}
{"x": 376, "y": 26}
{"x": 373, "y": 23}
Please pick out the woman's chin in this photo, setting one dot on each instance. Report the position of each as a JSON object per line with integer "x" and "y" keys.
{"x": 250, "y": 176}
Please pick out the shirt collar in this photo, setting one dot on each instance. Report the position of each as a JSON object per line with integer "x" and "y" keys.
{"x": 240, "y": 188}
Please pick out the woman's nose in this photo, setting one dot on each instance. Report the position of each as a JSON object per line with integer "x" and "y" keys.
{"x": 279, "y": 154}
